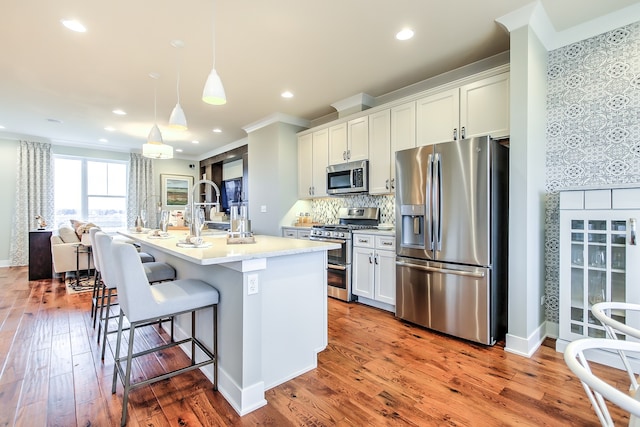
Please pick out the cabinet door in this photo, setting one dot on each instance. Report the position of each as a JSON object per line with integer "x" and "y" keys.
{"x": 380, "y": 152}
{"x": 484, "y": 107}
{"x": 363, "y": 272}
{"x": 338, "y": 144}
{"x": 358, "y": 139}
{"x": 594, "y": 251}
{"x": 320, "y": 161}
{"x": 403, "y": 133}
{"x": 305, "y": 166}
{"x": 385, "y": 277}
{"x": 437, "y": 118}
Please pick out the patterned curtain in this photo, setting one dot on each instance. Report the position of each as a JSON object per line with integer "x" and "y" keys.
{"x": 34, "y": 196}
{"x": 142, "y": 192}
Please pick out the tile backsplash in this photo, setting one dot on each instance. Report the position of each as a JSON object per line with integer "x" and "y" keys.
{"x": 326, "y": 210}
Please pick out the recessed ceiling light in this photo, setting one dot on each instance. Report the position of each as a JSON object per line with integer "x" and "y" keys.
{"x": 119, "y": 112}
{"x": 286, "y": 94}
{"x": 195, "y": 142}
{"x": 179, "y": 150}
{"x": 109, "y": 128}
{"x": 217, "y": 130}
{"x": 404, "y": 34}
{"x": 54, "y": 120}
{"x": 73, "y": 25}
{"x": 103, "y": 140}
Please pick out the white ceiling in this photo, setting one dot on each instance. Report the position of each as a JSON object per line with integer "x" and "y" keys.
{"x": 322, "y": 51}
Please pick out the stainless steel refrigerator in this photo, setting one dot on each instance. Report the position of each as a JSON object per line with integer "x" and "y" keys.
{"x": 451, "y": 237}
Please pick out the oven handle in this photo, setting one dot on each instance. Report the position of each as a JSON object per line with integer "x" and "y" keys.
{"x": 322, "y": 239}
{"x": 336, "y": 267}
{"x": 440, "y": 270}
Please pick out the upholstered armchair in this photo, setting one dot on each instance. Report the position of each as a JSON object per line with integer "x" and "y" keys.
{"x": 63, "y": 249}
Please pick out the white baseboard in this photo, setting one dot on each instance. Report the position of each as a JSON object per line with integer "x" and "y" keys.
{"x": 4, "y": 263}
{"x": 526, "y": 346}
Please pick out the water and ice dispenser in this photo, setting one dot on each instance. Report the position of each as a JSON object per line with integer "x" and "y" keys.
{"x": 413, "y": 226}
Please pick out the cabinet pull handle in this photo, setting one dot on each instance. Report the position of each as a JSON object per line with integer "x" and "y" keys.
{"x": 393, "y": 183}
{"x": 344, "y": 155}
{"x": 455, "y": 134}
{"x": 376, "y": 259}
{"x": 370, "y": 260}
{"x": 632, "y": 227}
{"x": 462, "y": 132}
{"x": 386, "y": 184}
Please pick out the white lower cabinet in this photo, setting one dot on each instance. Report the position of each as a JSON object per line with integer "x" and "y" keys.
{"x": 598, "y": 261}
{"x": 374, "y": 270}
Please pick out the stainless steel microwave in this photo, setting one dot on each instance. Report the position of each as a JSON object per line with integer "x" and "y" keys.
{"x": 348, "y": 178}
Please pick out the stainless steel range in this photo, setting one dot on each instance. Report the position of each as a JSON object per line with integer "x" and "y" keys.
{"x": 339, "y": 260}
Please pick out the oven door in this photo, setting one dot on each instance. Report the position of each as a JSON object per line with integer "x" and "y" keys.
{"x": 340, "y": 256}
{"x": 339, "y": 282}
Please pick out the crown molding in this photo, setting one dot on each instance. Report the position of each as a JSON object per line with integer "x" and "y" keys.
{"x": 276, "y": 118}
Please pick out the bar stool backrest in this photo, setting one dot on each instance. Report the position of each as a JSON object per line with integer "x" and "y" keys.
{"x": 92, "y": 239}
{"x": 134, "y": 292}
{"x": 103, "y": 246}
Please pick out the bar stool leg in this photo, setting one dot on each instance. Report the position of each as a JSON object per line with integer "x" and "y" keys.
{"x": 116, "y": 356}
{"x": 106, "y": 323}
{"x": 193, "y": 337}
{"x": 215, "y": 347}
{"x": 127, "y": 376}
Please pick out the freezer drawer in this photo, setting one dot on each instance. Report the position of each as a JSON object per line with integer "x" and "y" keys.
{"x": 449, "y": 298}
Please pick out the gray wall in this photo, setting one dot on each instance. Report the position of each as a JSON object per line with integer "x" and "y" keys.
{"x": 8, "y": 153}
{"x": 273, "y": 176}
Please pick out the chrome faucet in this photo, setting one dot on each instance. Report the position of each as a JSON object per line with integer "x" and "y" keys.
{"x": 194, "y": 224}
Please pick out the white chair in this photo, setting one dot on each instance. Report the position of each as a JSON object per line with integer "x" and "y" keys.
{"x": 142, "y": 304}
{"x": 598, "y": 391}
{"x": 154, "y": 271}
{"x": 602, "y": 312}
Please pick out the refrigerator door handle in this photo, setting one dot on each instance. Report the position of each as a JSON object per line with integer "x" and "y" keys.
{"x": 437, "y": 203}
{"x": 441, "y": 270}
{"x": 428, "y": 218}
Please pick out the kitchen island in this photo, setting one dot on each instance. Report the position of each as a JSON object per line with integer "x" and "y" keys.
{"x": 272, "y": 313}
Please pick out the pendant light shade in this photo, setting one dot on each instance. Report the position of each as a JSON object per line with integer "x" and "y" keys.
{"x": 177, "y": 120}
{"x": 155, "y": 148}
{"x": 213, "y": 92}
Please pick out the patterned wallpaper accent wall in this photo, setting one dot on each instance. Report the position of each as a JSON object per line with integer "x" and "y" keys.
{"x": 326, "y": 210}
{"x": 593, "y": 127}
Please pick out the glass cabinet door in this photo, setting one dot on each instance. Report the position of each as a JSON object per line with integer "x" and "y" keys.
{"x": 598, "y": 252}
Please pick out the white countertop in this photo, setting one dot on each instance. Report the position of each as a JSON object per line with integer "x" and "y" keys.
{"x": 377, "y": 232}
{"x": 220, "y": 252}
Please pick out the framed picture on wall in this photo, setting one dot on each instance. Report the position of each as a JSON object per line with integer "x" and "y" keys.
{"x": 175, "y": 191}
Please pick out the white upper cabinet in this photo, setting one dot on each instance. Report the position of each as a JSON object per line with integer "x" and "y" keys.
{"x": 305, "y": 165}
{"x": 437, "y": 117}
{"x": 312, "y": 164}
{"x": 484, "y": 107}
{"x": 389, "y": 131}
{"x": 380, "y": 152}
{"x": 349, "y": 141}
{"x": 475, "y": 109}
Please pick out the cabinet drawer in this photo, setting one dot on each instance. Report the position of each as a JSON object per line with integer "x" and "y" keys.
{"x": 363, "y": 240}
{"x": 291, "y": 234}
{"x": 303, "y": 234}
{"x": 386, "y": 242}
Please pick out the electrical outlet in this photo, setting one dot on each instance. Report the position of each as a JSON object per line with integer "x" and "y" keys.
{"x": 543, "y": 298}
{"x": 263, "y": 208}
{"x": 252, "y": 280}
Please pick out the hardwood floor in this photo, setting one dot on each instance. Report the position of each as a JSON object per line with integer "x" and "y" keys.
{"x": 376, "y": 370}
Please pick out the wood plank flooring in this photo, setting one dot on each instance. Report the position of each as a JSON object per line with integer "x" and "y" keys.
{"x": 375, "y": 371}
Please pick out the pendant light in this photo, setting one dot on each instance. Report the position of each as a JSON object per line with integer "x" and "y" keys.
{"x": 155, "y": 148}
{"x": 213, "y": 92}
{"x": 177, "y": 120}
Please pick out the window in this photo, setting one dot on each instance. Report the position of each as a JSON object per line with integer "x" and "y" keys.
{"x": 91, "y": 190}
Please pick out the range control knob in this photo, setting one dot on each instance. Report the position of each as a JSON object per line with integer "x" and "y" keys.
{"x": 341, "y": 234}
{"x": 327, "y": 233}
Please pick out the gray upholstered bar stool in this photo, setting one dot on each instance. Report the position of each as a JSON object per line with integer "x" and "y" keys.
{"x": 143, "y": 304}
{"x": 154, "y": 271}
{"x": 98, "y": 286}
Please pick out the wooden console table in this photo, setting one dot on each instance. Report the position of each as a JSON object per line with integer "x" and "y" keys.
{"x": 40, "y": 264}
